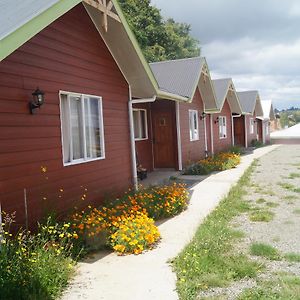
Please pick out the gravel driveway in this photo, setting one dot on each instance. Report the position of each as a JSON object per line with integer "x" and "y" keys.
{"x": 275, "y": 188}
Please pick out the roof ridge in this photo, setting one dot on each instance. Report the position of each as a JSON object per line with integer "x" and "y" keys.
{"x": 179, "y": 59}
{"x": 222, "y": 79}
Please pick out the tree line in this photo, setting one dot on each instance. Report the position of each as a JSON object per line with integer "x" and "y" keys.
{"x": 160, "y": 39}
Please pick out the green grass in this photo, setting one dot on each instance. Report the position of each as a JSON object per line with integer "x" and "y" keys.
{"x": 286, "y": 186}
{"x": 260, "y": 201}
{"x": 292, "y": 257}
{"x": 269, "y": 192}
{"x": 210, "y": 260}
{"x": 294, "y": 175}
{"x": 261, "y": 216}
{"x": 264, "y": 250}
{"x": 290, "y": 199}
{"x": 289, "y": 187}
{"x": 296, "y": 164}
{"x": 297, "y": 211}
{"x": 272, "y": 204}
{"x": 285, "y": 287}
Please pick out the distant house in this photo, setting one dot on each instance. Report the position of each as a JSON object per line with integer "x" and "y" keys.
{"x": 222, "y": 122}
{"x": 81, "y": 58}
{"x": 268, "y": 117}
{"x": 178, "y": 131}
{"x": 246, "y": 127}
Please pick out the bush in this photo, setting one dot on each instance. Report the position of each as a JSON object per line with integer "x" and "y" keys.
{"x": 256, "y": 144}
{"x": 36, "y": 266}
{"x": 134, "y": 234}
{"x": 236, "y": 150}
{"x": 220, "y": 162}
{"x": 198, "y": 169}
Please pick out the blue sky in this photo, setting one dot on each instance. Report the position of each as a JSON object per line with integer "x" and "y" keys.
{"x": 256, "y": 42}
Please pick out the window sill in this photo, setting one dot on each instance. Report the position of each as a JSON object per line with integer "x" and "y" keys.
{"x": 139, "y": 140}
{"x": 81, "y": 161}
{"x": 195, "y": 140}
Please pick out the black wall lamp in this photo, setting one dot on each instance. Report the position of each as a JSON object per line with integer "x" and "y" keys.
{"x": 203, "y": 115}
{"x": 37, "y": 100}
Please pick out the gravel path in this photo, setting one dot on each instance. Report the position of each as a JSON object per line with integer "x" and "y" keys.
{"x": 274, "y": 186}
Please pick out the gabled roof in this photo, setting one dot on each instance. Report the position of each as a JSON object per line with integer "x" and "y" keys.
{"x": 268, "y": 110}
{"x": 250, "y": 103}
{"x": 22, "y": 19}
{"x": 184, "y": 76}
{"x": 224, "y": 89}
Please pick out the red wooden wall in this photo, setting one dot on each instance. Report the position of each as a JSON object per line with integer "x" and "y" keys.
{"x": 144, "y": 148}
{"x": 68, "y": 55}
{"x": 226, "y": 143}
{"x": 192, "y": 150}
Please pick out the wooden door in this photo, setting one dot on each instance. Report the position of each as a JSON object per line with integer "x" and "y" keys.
{"x": 239, "y": 131}
{"x": 260, "y": 130}
{"x": 164, "y": 139}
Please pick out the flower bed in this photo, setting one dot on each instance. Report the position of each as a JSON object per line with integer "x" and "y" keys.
{"x": 129, "y": 221}
{"x": 220, "y": 162}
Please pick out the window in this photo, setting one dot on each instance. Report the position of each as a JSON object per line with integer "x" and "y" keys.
{"x": 194, "y": 126}
{"x": 140, "y": 124}
{"x": 251, "y": 125}
{"x": 82, "y": 128}
{"x": 222, "y": 128}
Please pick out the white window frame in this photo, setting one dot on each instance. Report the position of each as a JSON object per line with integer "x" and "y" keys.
{"x": 251, "y": 125}
{"x": 140, "y": 133}
{"x": 194, "y": 132}
{"x": 85, "y": 159}
{"x": 222, "y": 127}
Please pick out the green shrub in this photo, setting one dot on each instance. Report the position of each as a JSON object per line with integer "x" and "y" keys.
{"x": 220, "y": 162}
{"x": 36, "y": 266}
{"x": 236, "y": 150}
{"x": 264, "y": 250}
{"x": 256, "y": 144}
{"x": 198, "y": 169}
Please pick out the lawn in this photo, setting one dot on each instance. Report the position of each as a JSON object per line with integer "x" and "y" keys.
{"x": 209, "y": 260}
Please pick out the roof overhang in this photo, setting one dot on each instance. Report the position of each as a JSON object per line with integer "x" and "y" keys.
{"x": 258, "y": 111}
{"x": 225, "y": 90}
{"x": 129, "y": 56}
{"x": 206, "y": 89}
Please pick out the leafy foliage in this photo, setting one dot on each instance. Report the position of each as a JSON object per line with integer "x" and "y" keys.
{"x": 220, "y": 162}
{"x": 159, "y": 39}
{"x": 289, "y": 117}
{"x": 36, "y": 266}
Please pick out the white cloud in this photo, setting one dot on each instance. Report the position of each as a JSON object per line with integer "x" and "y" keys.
{"x": 256, "y": 42}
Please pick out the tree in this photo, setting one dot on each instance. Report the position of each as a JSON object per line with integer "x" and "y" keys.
{"x": 158, "y": 38}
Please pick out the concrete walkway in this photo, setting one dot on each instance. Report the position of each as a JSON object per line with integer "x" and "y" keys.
{"x": 149, "y": 276}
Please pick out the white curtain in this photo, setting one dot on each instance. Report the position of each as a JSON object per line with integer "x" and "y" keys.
{"x": 76, "y": 127}
{"x": 93, "y": 129}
